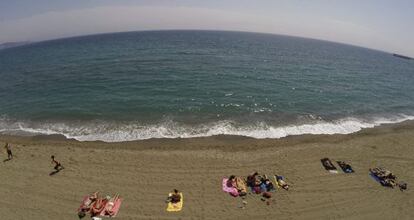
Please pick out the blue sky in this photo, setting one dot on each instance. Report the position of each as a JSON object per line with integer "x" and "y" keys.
{"x": 380, "y": 24}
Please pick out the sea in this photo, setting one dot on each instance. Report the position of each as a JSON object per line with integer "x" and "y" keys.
{"x": 182, "y": 84}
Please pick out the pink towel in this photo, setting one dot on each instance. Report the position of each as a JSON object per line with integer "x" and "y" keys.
{"x": 233, "y": 191}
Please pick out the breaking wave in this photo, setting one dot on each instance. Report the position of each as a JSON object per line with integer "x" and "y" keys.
{"x": 118, "y": 132}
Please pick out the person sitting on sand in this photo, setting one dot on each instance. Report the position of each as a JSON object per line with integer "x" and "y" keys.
{"x": 268, "y": 185}
{"x": 254, "y": 182}
{"x": 175, "y": 197}
{"x": 252, "y": 179}
{"x": 58, "y": 166}
{"x": 231, "y": 182}
{"x": 403, "y": 186}
{"x": 9, "y": 152}
{"x": 281, "y": 182}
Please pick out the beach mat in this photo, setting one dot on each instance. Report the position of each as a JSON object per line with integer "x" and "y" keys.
{"x": 345, "y": 167}
{"x": 276, "y": 182}
{"x": 231, "y": 190}
{"x": 175, "y": 207}
{"x": 328, "y": 165}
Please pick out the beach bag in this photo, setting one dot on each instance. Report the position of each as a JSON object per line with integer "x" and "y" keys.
{"x": 81, "y": 214}
{"x": 267, "y": 195}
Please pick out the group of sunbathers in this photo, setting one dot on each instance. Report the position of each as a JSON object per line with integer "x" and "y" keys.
{"x": 257, "y": 183}
{"x": 96, "y": 205}
{"x": 386, "y": 178}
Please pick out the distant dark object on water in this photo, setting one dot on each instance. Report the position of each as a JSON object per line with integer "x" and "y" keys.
{"x": 401, "y": 56}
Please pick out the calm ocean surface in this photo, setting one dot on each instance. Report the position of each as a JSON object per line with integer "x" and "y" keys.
{"x": 139, "y": 85}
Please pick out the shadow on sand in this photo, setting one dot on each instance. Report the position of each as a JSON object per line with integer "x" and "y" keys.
{"x": 6, "y": 160}
{"x": 55, "y": 172}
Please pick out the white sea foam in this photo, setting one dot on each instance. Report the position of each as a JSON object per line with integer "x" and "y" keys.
{"x": 112, "y": 132}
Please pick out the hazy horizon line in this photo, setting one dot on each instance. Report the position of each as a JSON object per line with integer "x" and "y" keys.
{"x": 29, "y": 42}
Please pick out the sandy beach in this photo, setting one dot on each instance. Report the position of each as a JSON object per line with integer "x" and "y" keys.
{"x": 143, "y": 172}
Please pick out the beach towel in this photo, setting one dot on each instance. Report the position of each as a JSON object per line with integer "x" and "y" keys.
{"x": 175, "y": 207}
{"x": 345, "y": 167}
{"x": 327, "y": 163}
{"x": 276, "y": 182}
{"x": 231, "y": 190}
{"x": 241, "y": 185}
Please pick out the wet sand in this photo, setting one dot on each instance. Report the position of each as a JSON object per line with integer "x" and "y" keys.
{"x": 143, "y": 172}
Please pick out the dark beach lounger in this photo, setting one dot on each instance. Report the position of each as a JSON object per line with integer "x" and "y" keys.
{"x": 345, "y": 167}
{"x": 327, "y": 163}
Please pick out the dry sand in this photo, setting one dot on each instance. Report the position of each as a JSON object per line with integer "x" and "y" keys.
{"x": 143, "y": 172}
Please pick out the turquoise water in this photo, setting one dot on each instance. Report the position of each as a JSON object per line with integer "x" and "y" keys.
{"x": 139, "y": 85}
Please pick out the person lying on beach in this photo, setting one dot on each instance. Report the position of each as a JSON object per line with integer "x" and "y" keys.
{"x": 110, "y": 205}
{"x": 98, "y": 206}
{"x": 89, "y": 202}
{"x": 268, "y": 185}
{"x": 87, "y": 205}
{"x": 240, "y": 186}
{"x": 175, "y": 197}
{"x": 58, "y": 166}
{"x": 281, "y": 182}
{"x": 9, "y": 152}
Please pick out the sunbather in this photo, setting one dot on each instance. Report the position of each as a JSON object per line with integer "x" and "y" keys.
{"x": 252, "y": 179}
{"x": 281, "y": 182}
{"x": 403, "y": 186}
{"x": 98, "y": 206}
{"x": 89, "y": 202}
{"x": 231, "y": 182}
{"x": 385, "y": 177}
{"x": 268, "y": 185}
{"x": 241, "y": 186}
{"x": 175, "y": 197}
{"x": 110, "y": 205}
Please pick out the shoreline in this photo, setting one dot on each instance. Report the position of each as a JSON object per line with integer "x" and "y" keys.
{"x": 125, "y": 132}
{"x": 56, "y": 138}
{"x": 144, "y": 172}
